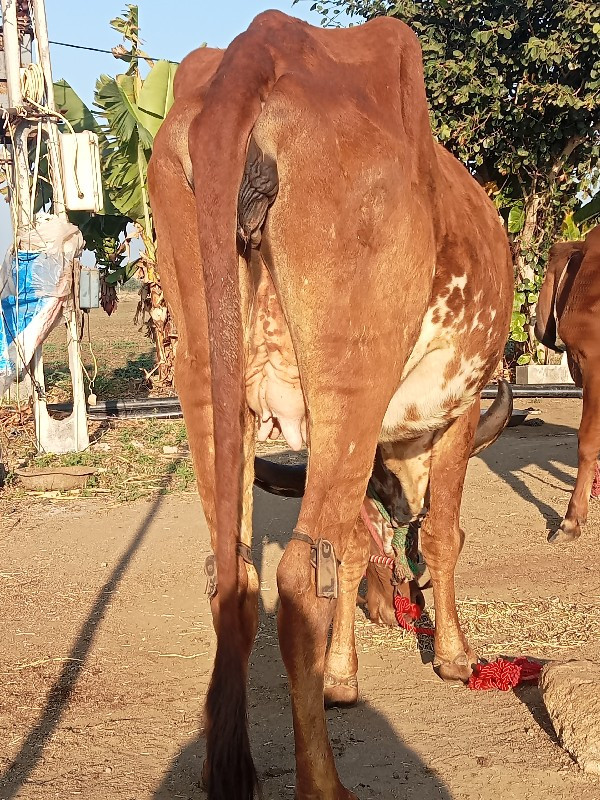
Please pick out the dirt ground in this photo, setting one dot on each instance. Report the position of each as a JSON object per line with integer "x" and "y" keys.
{"x": 107, "y": 646}
{"x": 123, "y": 354}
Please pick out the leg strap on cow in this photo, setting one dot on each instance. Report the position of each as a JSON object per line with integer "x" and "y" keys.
{"x": 210, "y": 567}
{"x": 322, "y": 558}
{"x": 210, "y": 570}
{"x": 245, "y": 552}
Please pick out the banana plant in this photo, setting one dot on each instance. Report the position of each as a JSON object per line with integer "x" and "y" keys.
{"x": 128, "y": 112}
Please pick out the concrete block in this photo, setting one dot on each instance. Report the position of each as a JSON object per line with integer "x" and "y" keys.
{"x": 543, "y": 373}
{"x": 571, "y": 693}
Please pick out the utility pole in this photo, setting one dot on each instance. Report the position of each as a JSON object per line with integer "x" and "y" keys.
{"x": 70, "y": 434}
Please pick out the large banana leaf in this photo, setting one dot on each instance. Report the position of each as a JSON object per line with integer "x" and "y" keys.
{"x": 156, "y": 96}
{"x": 124, "y": 182}
{"x": 129, "y": 113}
{"x": 116, "y": 99}
{"x": 72, "y": 107}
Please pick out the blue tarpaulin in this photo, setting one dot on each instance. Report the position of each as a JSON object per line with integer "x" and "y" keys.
{"x": 28, "y": 308}
{"x": 33, "y": 288}
{"x": 18, "y": 310}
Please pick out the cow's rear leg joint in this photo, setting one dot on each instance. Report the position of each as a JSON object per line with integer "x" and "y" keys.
{"x": 325, "y": 564}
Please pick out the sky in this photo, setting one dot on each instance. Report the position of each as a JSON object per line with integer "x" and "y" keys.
{"x": 169, "y": 30}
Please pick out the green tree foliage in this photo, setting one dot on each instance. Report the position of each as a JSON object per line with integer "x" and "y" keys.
{"x": 514, "y": 93}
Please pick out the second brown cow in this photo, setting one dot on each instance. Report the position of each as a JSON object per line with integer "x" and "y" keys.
{"x": 568, "y": 317}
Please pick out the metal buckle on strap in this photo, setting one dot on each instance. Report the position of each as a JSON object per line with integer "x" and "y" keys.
{"x": 210, "y": 570}
{"x": 210, "y": 567}
{"x": 325, "y": 564}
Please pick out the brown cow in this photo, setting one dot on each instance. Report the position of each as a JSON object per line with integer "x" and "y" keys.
{"x": 568, "y": 317}
{"x": 337, "y": 276}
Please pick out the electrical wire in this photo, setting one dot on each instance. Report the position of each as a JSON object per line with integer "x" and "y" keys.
{"x": 108, "y": 52}
{"x": 92, "y": 379}
{"x": 36, "y": 165}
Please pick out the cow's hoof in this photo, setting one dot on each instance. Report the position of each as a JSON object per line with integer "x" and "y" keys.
{"x": 457, "y": 670}
{"x": 568, "y": 532}
{"x": 340, "y": 692}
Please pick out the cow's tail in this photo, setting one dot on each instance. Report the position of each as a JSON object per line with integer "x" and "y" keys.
{"x": 563, "y": 256}
{"x": 218, "y": 140}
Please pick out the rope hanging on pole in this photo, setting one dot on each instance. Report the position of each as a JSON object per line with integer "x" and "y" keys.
{"x": 33, "y": 85}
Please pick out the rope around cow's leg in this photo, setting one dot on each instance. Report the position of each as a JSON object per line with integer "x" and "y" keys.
{"x": 502, "y": 674}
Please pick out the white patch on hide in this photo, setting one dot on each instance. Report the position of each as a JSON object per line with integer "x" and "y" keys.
{"x": 458, "y": 281}
{"x": 429, "y": 396}
{"x": 476, "y": 322}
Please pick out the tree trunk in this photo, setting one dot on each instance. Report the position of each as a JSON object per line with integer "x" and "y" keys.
{"x": 529, "y": 242}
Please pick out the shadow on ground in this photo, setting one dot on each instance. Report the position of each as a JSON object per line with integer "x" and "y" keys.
{"x": 396, "y": 772}
{"x": 31, "y": 752}
{"x": 548, "y": 448}
{"x": 531, "y": 697}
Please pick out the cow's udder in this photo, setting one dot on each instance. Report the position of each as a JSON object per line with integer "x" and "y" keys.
{"x": 273, "y": 389}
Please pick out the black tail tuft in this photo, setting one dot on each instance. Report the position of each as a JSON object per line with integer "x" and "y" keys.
{"x": 230, "y": 771}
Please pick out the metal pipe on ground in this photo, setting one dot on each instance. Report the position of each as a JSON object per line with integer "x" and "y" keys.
{"x": 137, "y": 408}
{"x": 541, "y": 390}
{"x": 169, "y": 407}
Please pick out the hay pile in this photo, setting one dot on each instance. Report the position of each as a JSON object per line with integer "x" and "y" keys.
{"x": 545, "y": 627}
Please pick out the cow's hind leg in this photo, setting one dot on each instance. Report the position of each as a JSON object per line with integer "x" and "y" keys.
{"x": 341, "y": 667}
{"x": 441, "y": 543}
{"x": 589, "y": 447}
{"x": 338, "y": 471}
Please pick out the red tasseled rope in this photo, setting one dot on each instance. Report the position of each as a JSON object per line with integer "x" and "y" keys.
{"x": 402, "y": 607}
{"x": 500, "y": 674}
{"x": 596, "y": 484}
{"x": 504, "y": 675}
